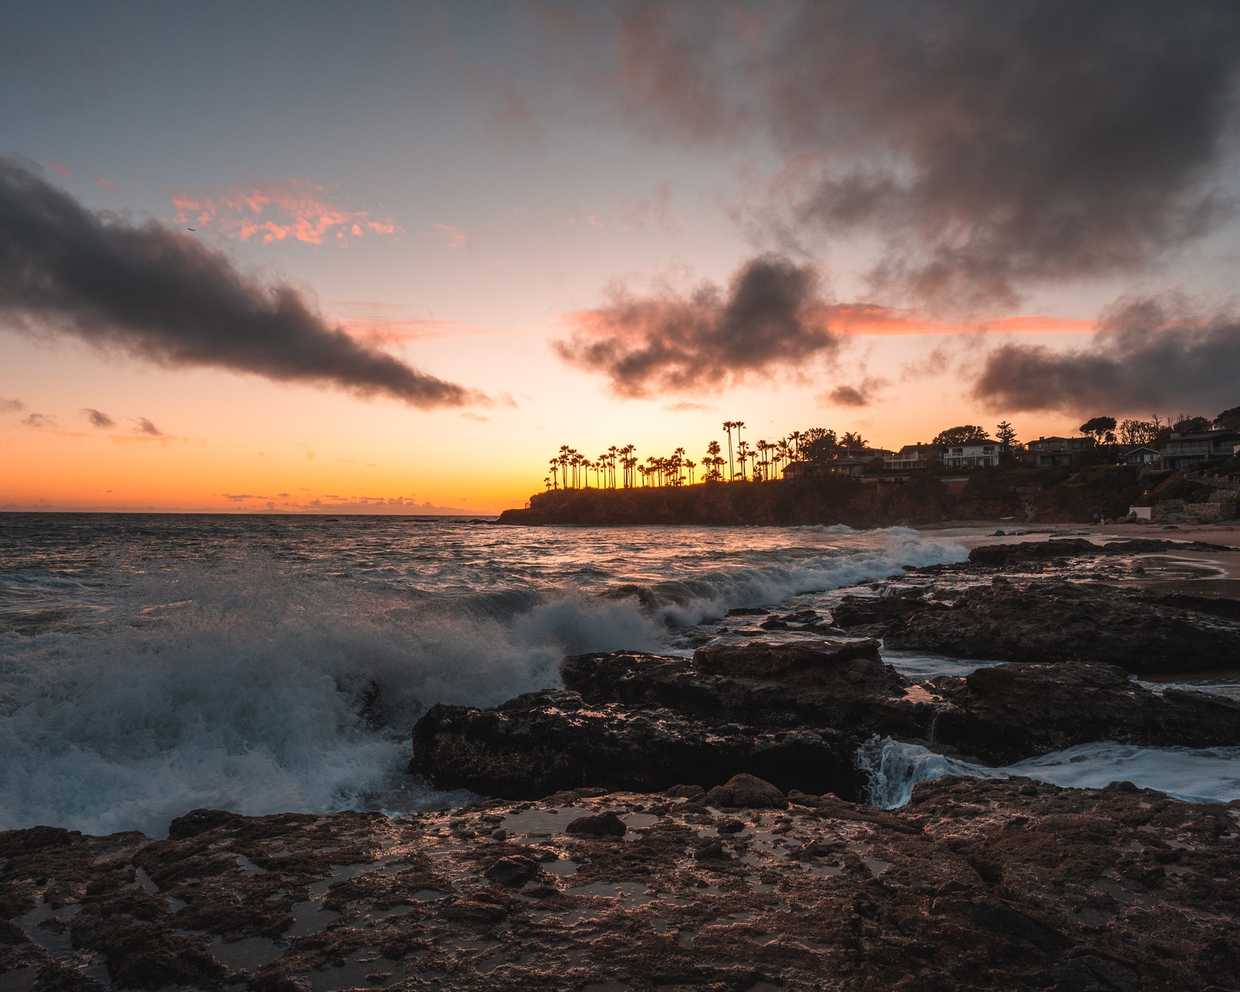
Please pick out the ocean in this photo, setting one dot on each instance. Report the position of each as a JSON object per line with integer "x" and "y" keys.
{"x": 153, "y": 664}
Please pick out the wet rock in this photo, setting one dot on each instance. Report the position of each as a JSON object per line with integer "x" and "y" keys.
{"x": 1000, "y": 555}
{"x": 977, "y": 885}
{"x": 710, "y": 850}
{"x": 820, "y": 663}
{"x": 1009, "y": 712}
{"x": 874, "y": 614}
{"x": 796, "y": 684}
{"x": 731, "y": 825}
{"x": 1054, "y": 620}
{"x": 746, "y": 791}
{"x": 515, "y": 870}
{"x": 545, "y": 742}
{"x": 597, "y": 825}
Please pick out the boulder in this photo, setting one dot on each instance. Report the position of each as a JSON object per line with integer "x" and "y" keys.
{"x": 512, "y": 871}
{"x": 746, "y": 791}
{"x": 597, "y": 825}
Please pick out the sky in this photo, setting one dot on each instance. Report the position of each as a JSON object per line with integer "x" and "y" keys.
{"x": 389, "y": 257}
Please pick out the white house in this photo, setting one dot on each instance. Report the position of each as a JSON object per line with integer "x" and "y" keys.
{"x": 976, "y": 454}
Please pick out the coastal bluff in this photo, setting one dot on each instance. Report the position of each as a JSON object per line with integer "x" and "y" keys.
{"x": 1047, "y": 496}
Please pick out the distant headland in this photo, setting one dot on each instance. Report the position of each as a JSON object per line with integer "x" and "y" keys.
{"x": 1152, "y": 470}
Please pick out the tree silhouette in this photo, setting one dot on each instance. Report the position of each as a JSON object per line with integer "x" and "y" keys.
{"x": 1006, "y": 435}
{"x": 727, "y": 426}
{"x": 954, "y": 437}
{"x": 1099, "y": 427}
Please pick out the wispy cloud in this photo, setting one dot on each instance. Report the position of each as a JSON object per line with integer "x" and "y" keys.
{"x": 98, "y": 418}
{"x": 38, "y": 420}
{"x": 861, "y": 394}
{"x": 296, "y": 209}
{"x": 143, "y": 426}
{"x": 11, "y": 406}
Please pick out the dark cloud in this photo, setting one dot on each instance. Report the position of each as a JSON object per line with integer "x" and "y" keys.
{"x": 11, "y": 406}
{"x": 38, "y": 420}
{"x": 991, "y": 146}
{"x": 144, "y": 426}
{"x": 770, "y": 316}
{"x": 862, "y": 394}
{"x": 163, "y": 296}
{"x": 98, "y": 418}
{"x": 1148, "y": 355}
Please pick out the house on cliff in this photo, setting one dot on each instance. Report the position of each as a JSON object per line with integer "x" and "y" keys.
{"x": 1056, "y": 452}
{"x": 1186, "y": 450}
{"x": 985, "y": 453}
{"x": 1140, "y": 456}
{"x": 913, "y": 458}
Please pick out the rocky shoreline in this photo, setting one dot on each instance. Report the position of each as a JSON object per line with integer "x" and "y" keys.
{"x": 705, "y": 822}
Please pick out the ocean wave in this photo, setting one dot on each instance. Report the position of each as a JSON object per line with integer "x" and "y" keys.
{"x": 239, "y": 687}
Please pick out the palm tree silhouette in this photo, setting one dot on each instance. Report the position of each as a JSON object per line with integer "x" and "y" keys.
{"x": 554, "y": 467}
{"x": 742, "y": 456}
{"x": 727, "y": 426}
{"x": 690, "y": 464}
{"x": 738, "y": 424}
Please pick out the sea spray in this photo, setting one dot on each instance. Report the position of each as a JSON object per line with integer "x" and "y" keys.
{"x": 207, "y": 674}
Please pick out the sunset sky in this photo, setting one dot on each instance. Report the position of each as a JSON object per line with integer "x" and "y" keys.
{"x": 593, "y": 224}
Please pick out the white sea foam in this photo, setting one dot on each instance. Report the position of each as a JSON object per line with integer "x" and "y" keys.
{"x": 236, "y": 686}
{"x": 1196, "y": 775}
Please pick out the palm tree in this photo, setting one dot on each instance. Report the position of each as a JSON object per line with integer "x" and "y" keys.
{"x": 629, "y": 464}
{"x": 565, "y": 456}
{"x": 547, "y": 483}
{"x": 554, "y": 466}
{"x": 690, "y": 464}
{"x": 712, "y": 450}
{"x": 795, "y": 438}
{"x": 611, "y": 466}
{"x": 727, "y": 426}
{"x": 738, "y": 424}
{"x": 742, "y": 456}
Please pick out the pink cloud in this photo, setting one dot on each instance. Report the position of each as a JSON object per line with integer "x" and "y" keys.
{"x": 296, "y": 209}
{"x": 60, "y": 169}
{"x": 104, "y": 183}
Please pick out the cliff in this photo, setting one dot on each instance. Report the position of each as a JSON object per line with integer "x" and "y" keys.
{"x": 1053, "y": 495}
